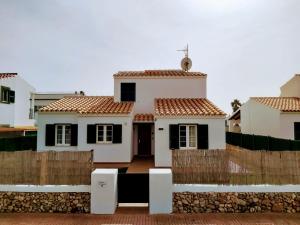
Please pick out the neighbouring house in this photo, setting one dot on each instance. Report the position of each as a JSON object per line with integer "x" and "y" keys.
{"x": 234, "y": 121}
{"x": 272, "y": 116}
{"x": 41, "y": 99}
{"x": 15, "y": 104}
{"x": 151, "y": 113}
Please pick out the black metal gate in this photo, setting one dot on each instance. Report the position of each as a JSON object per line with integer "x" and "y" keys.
{"x": 133, "y": 187}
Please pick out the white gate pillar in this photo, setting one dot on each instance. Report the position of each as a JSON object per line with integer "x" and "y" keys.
{"x": 104, "y": 195}
{"x": 160, "y": 191}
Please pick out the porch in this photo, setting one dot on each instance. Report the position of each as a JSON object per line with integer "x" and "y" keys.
{"x": 138, "y": 165}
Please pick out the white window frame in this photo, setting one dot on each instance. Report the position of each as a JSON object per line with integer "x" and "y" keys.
{"x": 104, "y": 133}
{"x": 63, "y": 135}
{"x": 187, "y": 137}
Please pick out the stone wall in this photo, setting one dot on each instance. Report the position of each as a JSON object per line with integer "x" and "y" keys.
{"x": 69, "y": 202}
{"x": 189, "y": 202}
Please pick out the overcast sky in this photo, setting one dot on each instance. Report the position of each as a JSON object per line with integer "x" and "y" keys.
{"x": 247, "y": 47}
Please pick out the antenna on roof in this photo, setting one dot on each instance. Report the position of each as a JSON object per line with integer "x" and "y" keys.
{"x": 186, "y": 62}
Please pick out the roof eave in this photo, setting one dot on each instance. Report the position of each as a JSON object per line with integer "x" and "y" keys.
{"x": 221, "y": 116}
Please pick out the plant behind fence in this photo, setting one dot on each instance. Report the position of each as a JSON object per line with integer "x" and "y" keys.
{"x": 259, "y": 142}
{"x": 18, "y": 143}
{"x": 233, "y": 166}
{"x": 40, "y": 168}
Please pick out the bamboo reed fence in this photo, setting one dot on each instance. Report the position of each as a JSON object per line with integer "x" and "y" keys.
{"x": 235, "y": 166}
{"x": 41, "y": 168}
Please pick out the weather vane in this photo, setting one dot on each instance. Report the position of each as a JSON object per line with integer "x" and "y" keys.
{"x": 186, "y": 62}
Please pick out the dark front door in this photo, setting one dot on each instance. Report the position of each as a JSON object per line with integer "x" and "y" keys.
{"x": 144, "y": 139}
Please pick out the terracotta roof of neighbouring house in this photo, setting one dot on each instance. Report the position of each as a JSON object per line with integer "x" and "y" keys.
{"x": 7, "y": 75}
{"x": 284, "y": 104}
{"x": 16, "y": 129}
{"x": 89, "y": 105}
{"x": 236, "y": 115}
{"x": 186, "y": 107}
{"x": 143, "y": 118}
{"x": 159, "y": 73}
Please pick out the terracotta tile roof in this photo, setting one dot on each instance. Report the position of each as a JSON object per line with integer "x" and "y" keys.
{"x": 7, "y": 75}
{"x": 284, "y": 104}
{"x": 158, "y": 73}
{"x": 186, "y": 107}
{"x": 143, "y": 118}
{"x": 89, "y": 104}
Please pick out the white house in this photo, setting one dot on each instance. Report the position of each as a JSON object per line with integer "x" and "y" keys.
{"x": 272, "y": 116}
{"x": 15, "y": 105}
{"x": 151, "y": 113}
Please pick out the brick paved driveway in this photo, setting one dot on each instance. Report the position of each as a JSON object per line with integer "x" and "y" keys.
{"x": 135, "y": 218}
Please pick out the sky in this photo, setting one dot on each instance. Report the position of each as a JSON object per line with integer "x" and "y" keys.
{"x": 247, "y": 48}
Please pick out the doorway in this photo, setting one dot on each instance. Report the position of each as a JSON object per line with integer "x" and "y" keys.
{"x": 144, "y": 139}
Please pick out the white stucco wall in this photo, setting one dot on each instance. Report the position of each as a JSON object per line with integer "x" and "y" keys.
{"x": 102, "y": 152}
{"x": 23, "y": 93}
{"x": 291, "y": 88}
{"x": 148, "y": 89}
{"x": 17, "y": 114}
{"x": 7, "y": 110}
{"x": 287, "y": 121}
{"x": 259, "y": 119}
{"x": 163, "y": 155}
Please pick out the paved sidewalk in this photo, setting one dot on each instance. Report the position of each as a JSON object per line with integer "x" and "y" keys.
{"x": 130, "y": 217}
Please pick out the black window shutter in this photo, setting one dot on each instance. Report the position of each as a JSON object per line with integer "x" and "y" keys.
{"x": 174, "y": 136}
{"x": 297, "y": 130}
{"x": 74, "y": 134}
{"x": 117, "y": 133}
{"x": 91, "y": 134}
{"x": 128, "y": 91}
{"x": 202, "y": 138}
{"x": 50, "y": 135}
{"x": 11, "y": 96}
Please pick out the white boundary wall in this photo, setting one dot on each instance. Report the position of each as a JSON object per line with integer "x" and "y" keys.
{"x": 45, "y": 188}
{"x": 234, "y": 188}
{"x": 160, "y": 191}
{"x": 104, "y": 191}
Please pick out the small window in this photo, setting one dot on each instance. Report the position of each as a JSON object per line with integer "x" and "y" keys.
{"x": 63, "y": 135}
{"x": 188, "y": 136}
{"x": 5, "y": 94}
{"x": 104, "y": 133}
{"x": 128, "y": 92}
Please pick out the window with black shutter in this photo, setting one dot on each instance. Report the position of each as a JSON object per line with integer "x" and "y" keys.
{"x": 187, "y": 136}
{"x": 50, "y": 135}
{"x": 174, "y": 136}
{"x": 117, "y": 133}
{"x": 202, "y": 136}
{"x": 74, "y": 134}
{"x": 297, "y": 130}
{"x": 61, "y": 135}
{"x": 91, "y": 133}
{"x": 104, "y": 133}
{"x": 128, "y": 92}
{"x": 11, "y": 96}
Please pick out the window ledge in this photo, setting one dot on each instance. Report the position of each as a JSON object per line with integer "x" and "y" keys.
{"x": 105, "y": 143}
